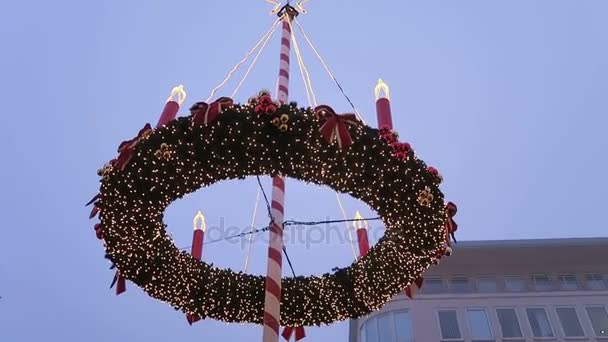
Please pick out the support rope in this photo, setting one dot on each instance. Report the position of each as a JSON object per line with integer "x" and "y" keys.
{"x": 238, "y": 65}
{"x": 328, "y": 70}
{"x": 257, "y": 56}
{"x": 250, "y": 242}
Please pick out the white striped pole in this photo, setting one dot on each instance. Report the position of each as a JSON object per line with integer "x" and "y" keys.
{"x": 272, "y": 300}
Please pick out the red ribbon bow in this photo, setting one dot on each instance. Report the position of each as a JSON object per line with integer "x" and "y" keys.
{"x": 336, "y": 125}
{"x": 450, "y": 225}
{"x": 126, "y": 148}
{"x": 265, "y": 105}
{"x": 299, "y": 333}
{"x": 205, "y": 114}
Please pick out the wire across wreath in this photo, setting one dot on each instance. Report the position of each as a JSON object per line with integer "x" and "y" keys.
{"x": 222, "y": 141}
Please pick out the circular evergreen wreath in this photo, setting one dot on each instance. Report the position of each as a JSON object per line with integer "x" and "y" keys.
{"x": 223, "y": 141}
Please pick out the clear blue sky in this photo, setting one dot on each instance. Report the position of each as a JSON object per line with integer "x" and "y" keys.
{"x": 506, "y": 98}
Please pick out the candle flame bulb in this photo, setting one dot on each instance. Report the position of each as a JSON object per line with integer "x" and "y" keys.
{"x": 360, "y": 220}
{"x": 199, "y": 221}
{"x": 382, "y": 87}
{"x": 178, "y": 92}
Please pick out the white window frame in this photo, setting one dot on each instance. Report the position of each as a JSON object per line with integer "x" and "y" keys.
{"x": 469, "y": 283}
{"x": 559, "y": 282}
{"x": 551, "y": 324}
{"x": 457, "y": 323}
{"x": 489, "y": 320}
{"x": 549, "y": 278}
{"x": 580, "y": 322}
{"x": 443, "y": 284}
{"x": 391, "y": 314}
{"x": 601, "y": 338}
{"x": 604, "y": 278}
{"x": 478, "y": 288}
{"x": 523, "y": 279}
{"x": 517, "y": 317}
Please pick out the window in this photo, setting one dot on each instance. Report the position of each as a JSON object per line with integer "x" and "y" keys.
{"x": 434, "y": 286}
{"x": 479, "y": 324}
{"x": 595, "y": 282}
{"x": 388, "y": 327}
{"x": 515, "y": 284}
{"x": 370, "y": 330}
{"x": 487, "y": 285}
{"x": 599, "y": 320}
{"x": 539, "y": 322}
{"x": 461, "y": 285}
{"x": 568, "y": 282}
{"x": 448, "y": 322}
{"x": 509, "y": 324}
{"x": 542, "y": 282}
{"x": 403, "y": 327}
{"x": 570, "y": 322}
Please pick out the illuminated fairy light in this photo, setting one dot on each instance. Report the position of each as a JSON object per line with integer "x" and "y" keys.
{"x": 382, "y": 88}
{"x": 241, "y": 143}
{"x": 178, "y": 92}
{"x": 199, "y": 222}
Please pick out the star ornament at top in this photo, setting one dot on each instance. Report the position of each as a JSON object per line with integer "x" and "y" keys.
{"x": 278, "y": 6}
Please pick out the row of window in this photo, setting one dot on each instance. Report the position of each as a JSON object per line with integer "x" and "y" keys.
{"x": 397, "y": 326}
{"x": 536, "y": 282}
{"x": 540, "y": 323}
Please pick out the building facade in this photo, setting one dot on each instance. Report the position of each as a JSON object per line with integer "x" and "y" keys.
{"x": 518, "y": 290}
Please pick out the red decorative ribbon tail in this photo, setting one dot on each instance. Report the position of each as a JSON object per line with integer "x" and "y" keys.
{"x": 451, "y": 225}
{"x": 289, "y": 331}
{"x": 411, "y": 289}
{"x": 94, "y": 212}
{"x": 120, "y": 282}
{"x": 192, "y": 319}
{"x": 92, "y": 200}
{"x": 99, "y": 231}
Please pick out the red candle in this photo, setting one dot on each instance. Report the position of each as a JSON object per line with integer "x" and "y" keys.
{"x": 175, "y": 100}
{"x": 362, "y": 235}
{"x": 198, "y": 238}
{"x": 383, "y": 105}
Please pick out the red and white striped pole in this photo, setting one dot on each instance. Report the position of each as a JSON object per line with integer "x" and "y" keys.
{"x": 272, "y": 300}
{"x": 198, "y": 238}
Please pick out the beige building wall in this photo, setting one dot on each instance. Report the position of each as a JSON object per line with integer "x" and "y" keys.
{"x": 528, "y": 259}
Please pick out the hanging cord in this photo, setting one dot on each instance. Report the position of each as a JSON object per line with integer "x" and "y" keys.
{"x": 313, "y": 103}
{"x": 328, "y": 70}
{"x": 257, "y": 56}
{"x": 348, "y": 227}
{"x": 316, "y": 223}
{"x": 238, "y": 65}
{"x": 310, "y": 94}
{"x": 285, "y": 224}
{"x": 250, "y": 242}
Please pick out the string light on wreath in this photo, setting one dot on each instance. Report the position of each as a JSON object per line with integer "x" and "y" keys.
{"x": 223, "y": 140}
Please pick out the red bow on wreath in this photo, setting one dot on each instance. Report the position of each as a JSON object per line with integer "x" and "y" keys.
{"x": 205, "y": 114}
{"x": 299, "y": 333}
{"x": 265, "y": 105}
{"x": 450, "y": 225}
{"x": 126, "y": 148}
{"x": 335, "y": 126}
